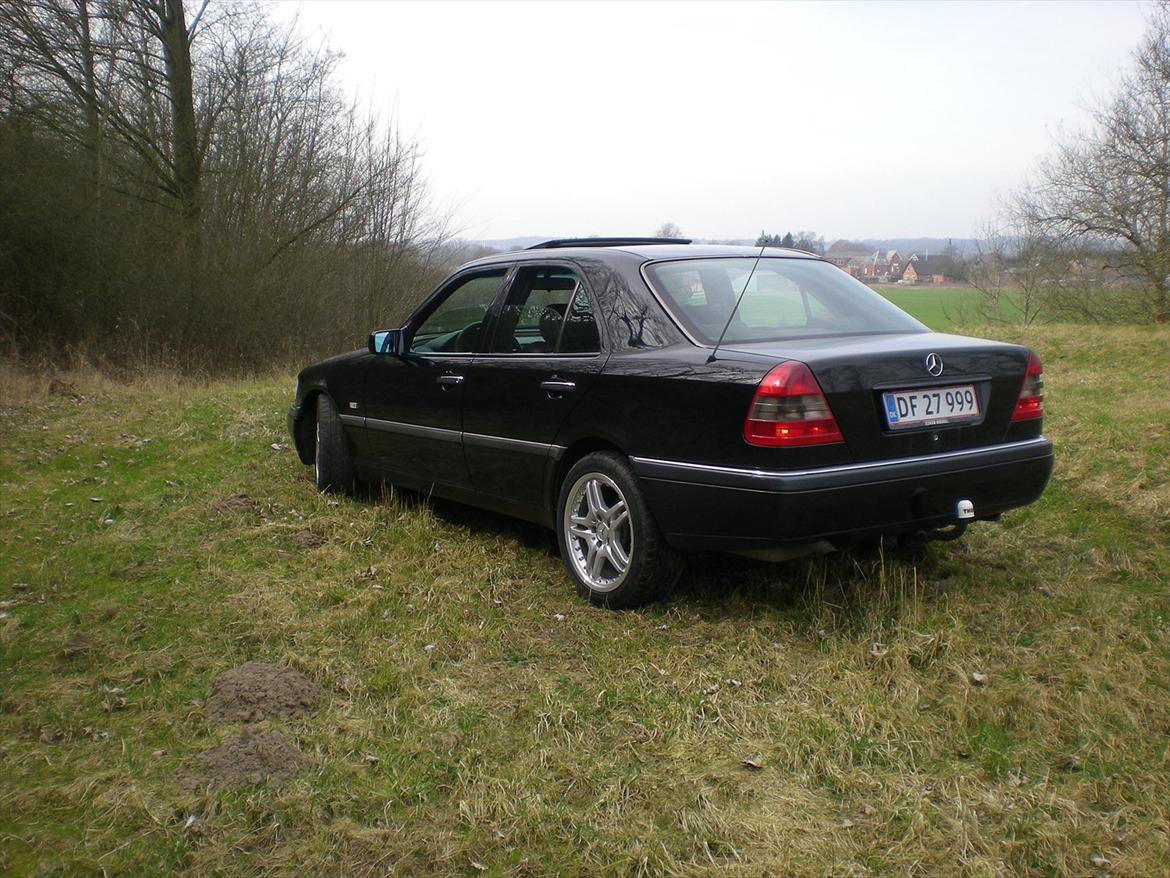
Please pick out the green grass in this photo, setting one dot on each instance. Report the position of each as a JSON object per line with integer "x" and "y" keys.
{"x": 948, "y": 308}
{"x": 939, "y": 308}
{"x": 597, "y": 743}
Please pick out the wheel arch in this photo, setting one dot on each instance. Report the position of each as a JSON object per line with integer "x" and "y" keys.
{"x": 305, "y": 426}
{"x": 305, "y": 437}
{"x": 573, "y": 453}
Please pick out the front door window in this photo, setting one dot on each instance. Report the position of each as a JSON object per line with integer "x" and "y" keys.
{"x": 457, "y": 325}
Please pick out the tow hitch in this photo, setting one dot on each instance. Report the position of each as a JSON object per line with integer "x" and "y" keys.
{"x": 964, "y": 513}
{"x": 943, "y": 534}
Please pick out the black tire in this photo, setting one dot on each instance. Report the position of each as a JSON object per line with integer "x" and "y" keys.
{"x": 594, "y": 538}
{"x": 332, "y": 457}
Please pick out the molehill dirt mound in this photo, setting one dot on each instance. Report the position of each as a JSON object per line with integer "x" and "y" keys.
{"x": 236, "y": 503}
{"x": 306, "y": 539}
{"x": 260, "y": 690}
{"x": 252, "y": 757}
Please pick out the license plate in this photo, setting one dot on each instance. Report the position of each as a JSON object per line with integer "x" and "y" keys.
{"x": 931, "y": 406}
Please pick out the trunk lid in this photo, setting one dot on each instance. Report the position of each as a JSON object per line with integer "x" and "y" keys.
{"x": 855, "y": 371}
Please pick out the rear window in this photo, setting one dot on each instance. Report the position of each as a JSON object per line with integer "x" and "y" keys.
{"x": 782, "y": 298}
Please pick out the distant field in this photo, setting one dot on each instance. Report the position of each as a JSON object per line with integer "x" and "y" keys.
{"x": 939, "y": 308}
{"x": 994, "y": 706}
{"x": 944, "y": 308}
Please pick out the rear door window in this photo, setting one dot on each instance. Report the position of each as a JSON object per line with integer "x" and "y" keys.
{"x": 547, "y": 312}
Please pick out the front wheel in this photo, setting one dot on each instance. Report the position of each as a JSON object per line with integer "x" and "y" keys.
{"x": 609, "y": 541}
{"x": 333, "y": 461}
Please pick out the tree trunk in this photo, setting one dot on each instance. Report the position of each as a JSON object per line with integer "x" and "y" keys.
{"x": 185, "y": 149}
{"x": 93, "y": 119}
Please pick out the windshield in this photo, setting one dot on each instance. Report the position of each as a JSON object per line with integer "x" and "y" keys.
{"x": 784, "y": 298}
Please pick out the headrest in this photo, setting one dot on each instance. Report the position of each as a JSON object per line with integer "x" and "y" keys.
{"x": 550, "y": 323}
{"x": 580, "y": 335}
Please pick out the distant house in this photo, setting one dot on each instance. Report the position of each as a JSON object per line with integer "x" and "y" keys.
{"x": 851, "y": 262}
{"x": 927, "y": 269}
{"x": 883, "y": 265}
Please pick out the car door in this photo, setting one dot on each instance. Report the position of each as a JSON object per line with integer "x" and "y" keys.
{"x": 414, "y": 400}
{"x": 545, "y": 351}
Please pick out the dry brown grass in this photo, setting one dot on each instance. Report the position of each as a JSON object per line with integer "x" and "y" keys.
{"x": 998, "y": 706}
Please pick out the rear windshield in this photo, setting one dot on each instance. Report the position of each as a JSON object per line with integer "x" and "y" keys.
{"x": 782, "y": 298}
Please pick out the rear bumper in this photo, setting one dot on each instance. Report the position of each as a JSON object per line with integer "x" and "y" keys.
{"x": 708, "y": 507}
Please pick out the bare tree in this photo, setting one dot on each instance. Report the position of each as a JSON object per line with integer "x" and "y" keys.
{"x": 1025, "y": 275}
{"x": 232, "y": 189}
{"x": 810, "y": 242}
{"x": 668, "y": 230}
{"x": 1014, "y": 271}
{"x": 1110, "y": 187}
{"x": 112, "y": 77}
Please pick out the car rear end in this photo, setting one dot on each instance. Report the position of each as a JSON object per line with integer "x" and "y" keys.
{"x": 861, "y": 422}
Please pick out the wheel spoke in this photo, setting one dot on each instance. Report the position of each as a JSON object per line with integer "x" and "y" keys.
{"x": 599, "y": 554}
{"x": 580, "y": 530}
{"x": 618, "y": 556}
{"x": 593, "y": 498}
{"x": 619, "y": 507}
{"x": 620, "y": 518}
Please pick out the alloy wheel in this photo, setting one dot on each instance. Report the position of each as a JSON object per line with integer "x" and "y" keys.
{"x": 598, "y": 532}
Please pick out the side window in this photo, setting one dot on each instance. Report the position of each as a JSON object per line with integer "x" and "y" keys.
{"x": 457, "y": 325}
{"x": 547, "y": 312}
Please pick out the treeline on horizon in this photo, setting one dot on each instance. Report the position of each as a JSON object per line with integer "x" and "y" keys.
{"x": 188, "y": 187}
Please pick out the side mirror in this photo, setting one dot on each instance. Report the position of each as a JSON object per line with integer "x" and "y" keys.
{"x": 385, "y": 341}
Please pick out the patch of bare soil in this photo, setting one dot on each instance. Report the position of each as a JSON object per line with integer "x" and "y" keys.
{"x": 252, "y": 757}
{"x": 60, "y": 387}
{"x": 237, "y": 503}
{"x": 260, "y": 690}
{"x": 78, "y": 645}
{"x": 306, "y": 539}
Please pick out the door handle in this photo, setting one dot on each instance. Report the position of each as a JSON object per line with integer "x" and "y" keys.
{"x": 450, "y": 380}
{"x": 556, "y": 386}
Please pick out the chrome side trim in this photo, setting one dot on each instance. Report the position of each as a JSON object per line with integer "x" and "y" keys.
{"x": 418, "y": 430}
{"x": 1039, "y": 443}
{"x": 445, "y": 435}
{"x": 502, "y": 442}
{"x": 547, "y": 355}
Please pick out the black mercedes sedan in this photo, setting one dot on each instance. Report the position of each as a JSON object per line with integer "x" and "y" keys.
{"x": 649, "y": 397}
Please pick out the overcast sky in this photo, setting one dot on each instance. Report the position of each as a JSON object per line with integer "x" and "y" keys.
{"x": 853, "y": 120}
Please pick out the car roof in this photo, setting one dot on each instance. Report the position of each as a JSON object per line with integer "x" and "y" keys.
{"x": 646, "y": 251}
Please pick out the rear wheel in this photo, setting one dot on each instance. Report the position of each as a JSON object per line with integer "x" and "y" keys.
{"x": 608, "y": 538}
{"x": 334, "y": 463}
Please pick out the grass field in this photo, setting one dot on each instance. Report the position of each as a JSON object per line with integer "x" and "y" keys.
{"x": 946, "y": 307}
{"x": 995, "y": 706}
{"x": 941, "y": 308}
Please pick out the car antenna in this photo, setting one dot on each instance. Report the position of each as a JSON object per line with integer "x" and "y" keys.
{"x": 731, "y": 316}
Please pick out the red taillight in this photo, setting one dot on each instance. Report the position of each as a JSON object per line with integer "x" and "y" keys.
{"x": 789, "y": 409}
{"x": 1031, "y": 401}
